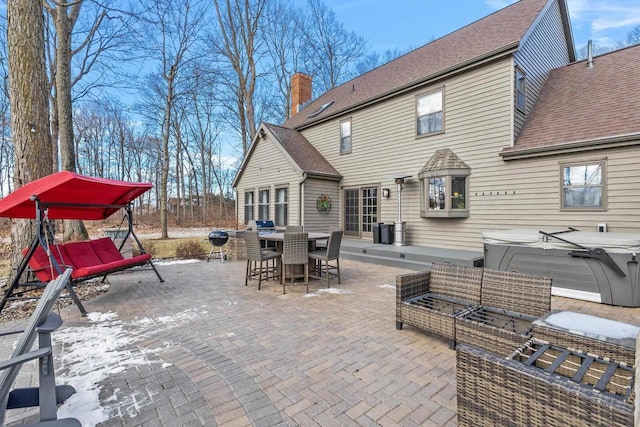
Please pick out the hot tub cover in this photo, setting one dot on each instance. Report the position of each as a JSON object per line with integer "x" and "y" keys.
{"x": 611, "y": 242}
{"x": 69, "y": 195}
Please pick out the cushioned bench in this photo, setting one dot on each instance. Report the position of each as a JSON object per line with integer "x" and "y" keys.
{"x": 88, "y": 259}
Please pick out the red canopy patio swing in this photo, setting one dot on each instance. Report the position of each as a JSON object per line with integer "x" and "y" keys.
{"x": 68, "y": 195}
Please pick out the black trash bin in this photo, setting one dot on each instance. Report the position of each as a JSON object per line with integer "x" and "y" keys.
{"x": 386, "y": 234}
{"x": 377, "y": 232}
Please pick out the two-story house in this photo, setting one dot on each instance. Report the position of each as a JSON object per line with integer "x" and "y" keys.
{"x": 490, "y": 124}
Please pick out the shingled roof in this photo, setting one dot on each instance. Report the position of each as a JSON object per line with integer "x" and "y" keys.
{"x": 497, "y": 33}
{"x": 305, "y": 155}
{"x": 581, "y": 106}
{"x": 442, "y": 159}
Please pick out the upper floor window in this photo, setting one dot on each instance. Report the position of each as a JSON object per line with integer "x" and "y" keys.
{"x": 282, "y": 213}
{"x": 429, "y": 113}
{"x": 263, "y": 204}
{"x": 248, "y": 206}
{"x": 521, "y": 90}
{"x": 345, "y": 136}
{"x": 583, "y": 186}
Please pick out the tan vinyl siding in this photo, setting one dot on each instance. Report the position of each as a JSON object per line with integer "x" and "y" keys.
{"x": 320, "y": 221}
{"x": 269, "y": 168}
{"x": 544, "y": 49}
{"x": 477, "y": 123}
{"x": 536, "y": 204}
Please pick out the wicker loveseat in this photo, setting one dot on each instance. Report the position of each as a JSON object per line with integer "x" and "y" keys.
{"x": 431, "y": 300}
{"x": 509, "y": 303}
{"x": 514, "y": 391}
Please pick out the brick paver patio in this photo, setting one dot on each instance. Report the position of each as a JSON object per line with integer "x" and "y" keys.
{"x": 204, "y": 349}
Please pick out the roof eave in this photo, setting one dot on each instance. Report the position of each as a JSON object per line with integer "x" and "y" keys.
{"x": 323, "y": 175}
{"x": 572, "y": 147}
{"x": 430, "y": 79}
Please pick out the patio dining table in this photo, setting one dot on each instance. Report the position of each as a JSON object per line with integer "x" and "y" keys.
{"x": 278, "y": 238}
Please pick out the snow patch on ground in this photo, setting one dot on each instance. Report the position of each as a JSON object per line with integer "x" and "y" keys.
{"x": 105, "y": 346}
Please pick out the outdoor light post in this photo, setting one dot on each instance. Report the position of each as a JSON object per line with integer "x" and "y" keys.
{"x": 399, "y": 226}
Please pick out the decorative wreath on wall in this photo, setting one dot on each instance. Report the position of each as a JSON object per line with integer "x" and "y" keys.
{"x": 323, "y": 203}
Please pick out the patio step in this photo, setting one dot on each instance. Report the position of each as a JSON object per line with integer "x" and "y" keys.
{"x": 385, "y": 260}
{"x": 410, "y": 257}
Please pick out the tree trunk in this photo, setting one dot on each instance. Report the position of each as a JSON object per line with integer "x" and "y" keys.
{"x": 29, "y": 106}
{"x": 73, "y": 229}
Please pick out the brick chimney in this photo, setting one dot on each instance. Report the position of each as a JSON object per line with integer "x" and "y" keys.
{"x": 300, "y": 91}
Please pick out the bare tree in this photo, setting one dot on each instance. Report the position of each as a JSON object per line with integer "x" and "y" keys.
{"x": 238, "y": 41}
{"x": 178, "y": 25}
{"x": 104, "y": 33}
{"x": 6, "y": 147}
{"x": 28, "y": 98}
{"x": 331, "y": 51}
{"x": 285, "y": 49}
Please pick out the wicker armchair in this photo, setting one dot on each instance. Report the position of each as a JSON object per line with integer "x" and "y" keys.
{"x": 498, "y": 391}
{"x": 295, "y": 251}
{"x": 259, "y": 256}
{"x": 295, "y": 229}
{"x": 325, "y": 256}
{"x": 509, "y": 303}
{"x": 431, "y": 300}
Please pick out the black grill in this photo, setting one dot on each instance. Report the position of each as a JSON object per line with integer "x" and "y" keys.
{"x": 218, "y": 238}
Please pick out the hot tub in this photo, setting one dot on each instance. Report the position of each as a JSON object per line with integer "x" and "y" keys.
{"x": 598, "y": 267}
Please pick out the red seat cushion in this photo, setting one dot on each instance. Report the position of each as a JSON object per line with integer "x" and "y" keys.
{"x": 106, "y": 250}
{"x": 41, "y": 264}
{"x": 82, "y": 254}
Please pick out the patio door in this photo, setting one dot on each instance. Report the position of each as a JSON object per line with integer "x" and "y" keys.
{"x": 360, "y": 211}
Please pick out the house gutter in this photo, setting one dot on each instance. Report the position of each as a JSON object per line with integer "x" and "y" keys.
{"x": 433, "y": 78}
{"x": 625, "y": 140}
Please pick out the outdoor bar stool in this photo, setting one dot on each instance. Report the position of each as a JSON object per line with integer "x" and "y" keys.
{"x": 256, "y": 254}
{"x": 322, "y": 244}
{"x": 295, "y": 251}
{"x": 331, "y": 253}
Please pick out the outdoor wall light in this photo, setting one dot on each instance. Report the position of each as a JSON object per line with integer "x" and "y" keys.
{"x": 386, "y": 193}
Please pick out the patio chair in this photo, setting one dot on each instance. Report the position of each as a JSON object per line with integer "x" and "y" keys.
{"x": 47, "y": 395}
{"x": 295, "y": 229}
{"x": 322, "y": 244}
{"x": 295, "y": 251}
{"x": 258, "y": 255}
{"x": 331, "y": 253}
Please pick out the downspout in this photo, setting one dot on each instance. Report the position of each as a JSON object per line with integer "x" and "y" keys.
{"x": 301, "y": 198}
{"x": 236, "y": 207}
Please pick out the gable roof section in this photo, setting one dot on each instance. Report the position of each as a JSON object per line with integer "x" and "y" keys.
{"x": 305, "y": 155}
{"x": 582, "y": 107}
{"x": 297, "y": 149}
{"x": 498, "y": 33}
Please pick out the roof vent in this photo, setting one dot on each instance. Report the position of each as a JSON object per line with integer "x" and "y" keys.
{"x": 589, "y": 54}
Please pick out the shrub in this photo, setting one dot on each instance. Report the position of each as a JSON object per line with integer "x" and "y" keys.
{"x": 191, "y": 249}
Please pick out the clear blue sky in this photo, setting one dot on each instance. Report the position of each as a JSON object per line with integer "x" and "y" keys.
{"x": 403, "y": 24}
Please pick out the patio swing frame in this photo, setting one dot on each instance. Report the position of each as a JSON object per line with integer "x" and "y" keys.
{"x": 19, "y": 206}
